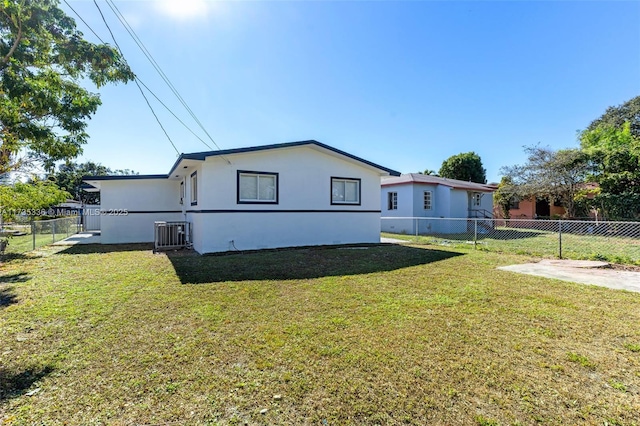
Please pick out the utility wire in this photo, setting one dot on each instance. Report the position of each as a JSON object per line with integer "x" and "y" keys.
{"x": 83, "y": 21}
{"x": 155, "y": 64}
{"x": 136, "y": 81}
{"x": 138, "y": 78}
{"x": 158, "y": 69}
{"x": 172, "y": 113}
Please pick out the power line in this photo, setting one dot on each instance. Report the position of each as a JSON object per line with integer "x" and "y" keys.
{"x": 83, "y": 21}
{"x": 172, "y": 113}
{"x": 136, "y": 77}
{"x": 139, "y": 81}
{"x": 136, "y": 81}
{"x": 158, "y": 69}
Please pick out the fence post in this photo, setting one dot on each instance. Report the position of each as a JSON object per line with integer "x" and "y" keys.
{"x": 560, "y": 239}
{"x": 53, "y": 230}
{"x": 33, "y": 234}
{"x": 475, "y": 233}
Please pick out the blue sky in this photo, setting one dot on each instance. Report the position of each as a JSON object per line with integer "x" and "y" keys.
{"x": 402, "y": 84}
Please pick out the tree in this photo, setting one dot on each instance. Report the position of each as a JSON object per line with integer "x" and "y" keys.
{"x": 69, "y": 177}
{"x": 554, "y": 175}
{"x": 43, "y": 107}
{"x": 429, "y": 172}
{"x": 614, "y": 154}
{"x": 617, "y": 116}
{"x": 504, "y": 195}
{"x": 30, "y": 198}
{"x": 466, "y": 166}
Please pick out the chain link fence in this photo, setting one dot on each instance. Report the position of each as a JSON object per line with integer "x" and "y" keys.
{"x": 617, "y": 242}
{"x": 22, "y": 237}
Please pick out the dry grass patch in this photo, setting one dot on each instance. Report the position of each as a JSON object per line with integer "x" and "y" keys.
{"x": 382, "y": 335}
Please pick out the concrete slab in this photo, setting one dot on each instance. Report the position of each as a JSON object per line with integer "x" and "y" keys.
{"x": 90, "y": 237}
{"x": 391, "y": 240}
{"x": 574, "y": 272}
{"x": 568, "y": 263}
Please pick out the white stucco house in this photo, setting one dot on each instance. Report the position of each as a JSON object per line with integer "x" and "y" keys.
{"x": 414, "y": 195}
{"x": 282, "y": 195}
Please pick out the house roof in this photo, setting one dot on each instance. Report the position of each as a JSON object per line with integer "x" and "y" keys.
{"x": 418, "y": 178}
{"x": 201, "y": 156}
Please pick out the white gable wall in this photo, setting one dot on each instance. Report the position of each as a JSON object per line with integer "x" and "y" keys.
{"x": 304, "y": 214}
{"x": 129, "y": 207}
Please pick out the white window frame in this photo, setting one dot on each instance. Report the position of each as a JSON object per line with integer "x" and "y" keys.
{"x": 344, "y": 180}
{"x": 392, "y": 200}
{"x": 182, "y": 192}
{"x": 427, "y": 204}
{"x": 258, "y": 175}
{"x": 194, "y": 188}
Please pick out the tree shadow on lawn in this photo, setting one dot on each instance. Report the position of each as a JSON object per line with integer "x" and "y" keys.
{"x": 496, "y": 234}
{"x": 506, "y": 234}
{"x": 8, "y": 257}
{"x": 300, "y": 263}
{"x": 7, "y": 297}
{"x": 14, "y": 384}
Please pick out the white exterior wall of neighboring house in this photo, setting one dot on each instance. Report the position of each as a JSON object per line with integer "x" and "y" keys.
{"x": 443, "y": 201}
{"x": 129, "y": 207}
{"x": 450, "y": 199}
{"x": 418, "y": 200}
{"x": 459, "y": 203}
{"x": 405, "y": 209}
{"x": 303, "y": 214}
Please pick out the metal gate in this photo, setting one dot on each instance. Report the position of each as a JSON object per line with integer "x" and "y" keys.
{"x": 91, "y": 218}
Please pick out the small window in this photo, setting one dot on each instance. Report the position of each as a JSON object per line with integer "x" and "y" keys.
{"x": 514, "y": 204}
{"x": 194, "y": 188}
{"x": 257, "y": 187}
{"x": 182, "y": 192}
{"x": 427, "y": 199}
{"x": 392, "y": 201}
{"x": 345, "y": 191}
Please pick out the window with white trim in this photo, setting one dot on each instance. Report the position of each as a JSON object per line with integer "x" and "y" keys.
{"x": 182, "y": 192}
{"x": 257, "y": 187}
{"x": 345, "y": 190}
{"x": 194, "y": 188}
{"x": 427, "y": 200}
{"x": 477, "y": 199}
{"x": 392, "y": 201}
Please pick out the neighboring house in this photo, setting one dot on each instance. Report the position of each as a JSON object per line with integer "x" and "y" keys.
{"x": 283, "y": 195}
{"x": 416, "y": 195}
{"x": 534, "y": 208}
{"x": 530, "y": 208}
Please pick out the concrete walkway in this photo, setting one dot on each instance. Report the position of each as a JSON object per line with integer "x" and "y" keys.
{"x": 580, "y": 271}
{"x": 391, "y": 240}
{"x": 89, "y": 237}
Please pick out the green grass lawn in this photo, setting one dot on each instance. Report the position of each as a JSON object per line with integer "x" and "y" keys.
{"x": 383, "y": 335}
{"x": 540, "y": 243}
{"x": 24, "y": 243}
